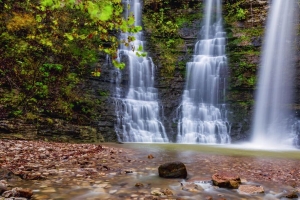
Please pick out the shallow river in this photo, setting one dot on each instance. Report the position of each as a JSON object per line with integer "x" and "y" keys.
{"x": 276, "y": 171}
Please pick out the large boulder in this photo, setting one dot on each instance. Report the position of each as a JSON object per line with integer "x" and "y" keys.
{"x": 172, "y": 170}
{"x": 226, "y": 180}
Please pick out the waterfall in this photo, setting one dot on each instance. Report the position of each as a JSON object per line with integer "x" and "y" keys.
{"x": 203, "y": 116}
{"x": 274, "y": 86}
{"x": 138, "y": 117}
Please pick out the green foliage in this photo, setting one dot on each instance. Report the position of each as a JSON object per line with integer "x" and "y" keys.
{"x": 47, "y": 48}
{"x": 104, "y": 93}
{"x": 243, "y": 71}
{"x": 96, "y": 72}
{"x": 243, "y": 56}
{"x": 163, "y": 20}
{"x": 16, "y": 113}
{"x": 244, "y": 37}
{"x": 240, "y": 13}
{"x": 162, "y": 26}
{"x": 235, "y": 12}
{"x": 141, "y": 54}
{"x": 118, "y": 65}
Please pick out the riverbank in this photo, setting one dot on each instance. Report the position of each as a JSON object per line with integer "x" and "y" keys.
{"x": 117, "y": 171}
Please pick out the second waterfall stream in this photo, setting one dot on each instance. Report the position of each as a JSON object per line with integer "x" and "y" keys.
{"x": 138, "y": 112}
{"x": 202, "y": 116}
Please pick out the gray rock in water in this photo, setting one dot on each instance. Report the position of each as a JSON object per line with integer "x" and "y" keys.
{"x": 172, "y": 170}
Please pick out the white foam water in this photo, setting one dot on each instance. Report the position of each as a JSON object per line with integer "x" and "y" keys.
{"x": 138, "y": 114}
{"x": 275, "y": 78}
{"x": 202, "y": 116}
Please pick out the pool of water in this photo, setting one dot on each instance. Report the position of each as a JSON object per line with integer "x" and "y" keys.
{"x": 244, "y": 149}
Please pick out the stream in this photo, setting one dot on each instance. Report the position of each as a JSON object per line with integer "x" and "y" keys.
{"x": 276, "y": 171}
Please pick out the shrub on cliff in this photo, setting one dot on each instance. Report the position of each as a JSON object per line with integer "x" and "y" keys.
{"x": 46, "y": 49}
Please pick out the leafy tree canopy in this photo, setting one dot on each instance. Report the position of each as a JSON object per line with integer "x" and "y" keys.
{"x": 46, "y": 48}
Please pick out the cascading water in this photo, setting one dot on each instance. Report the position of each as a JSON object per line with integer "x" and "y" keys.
{"x": 203, "y": 118}
{"x": 138, "y": 113}
{"x": 274, "y": 86}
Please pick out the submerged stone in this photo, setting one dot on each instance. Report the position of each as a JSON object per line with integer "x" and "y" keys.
{"x": 172, "y": 170}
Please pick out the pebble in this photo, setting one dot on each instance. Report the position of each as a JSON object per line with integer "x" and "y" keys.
{"x": 49, "y": 190}
{"x": 156, "y": 192}
{"x": 85, "y": 184}
{"x": 112, "y": 191}
{"x": 103, "y": 185}
{"x": 101, "y": 190}
{"x": 43, "y": 186}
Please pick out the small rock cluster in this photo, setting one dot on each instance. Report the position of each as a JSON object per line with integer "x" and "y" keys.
{"x": 38, "y": 160}
{"x": 219, "y": 180}
{"x": 23, "y": 193}
{"x": 55, "y": 167}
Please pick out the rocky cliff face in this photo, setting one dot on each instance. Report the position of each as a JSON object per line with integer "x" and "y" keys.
{"x": 245, "y": 38}
{"x": 244, "y": 22}
{"x": 58, "y": 129}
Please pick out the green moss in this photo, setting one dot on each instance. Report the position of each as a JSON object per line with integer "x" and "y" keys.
{"x": 235, "y": 11}
{"x": 49, "y": 120}
{"x": 243, "y": 70}
{"x": 243, "y": 55}
{"x": 162, "y": 21}
{"x": 31, "y": 117}
{"x": 104, "y": 93}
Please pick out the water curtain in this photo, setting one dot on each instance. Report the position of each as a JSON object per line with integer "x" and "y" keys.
{"x": 275, "y": 77}
{"x": 203, "y": 115}
{"x": 138, "y": 114}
